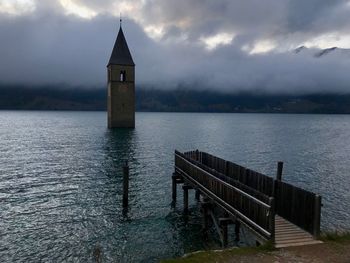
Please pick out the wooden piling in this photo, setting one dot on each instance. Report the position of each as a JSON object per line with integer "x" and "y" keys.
{"x": 279, "y": 171}
{"x": 317, "y": 216}
{"x": 125, "y": 184}
{"x": 224, "y": 235}
{"x": 174, "y": 183}
{"x": 185, "y": 189}
{"x": 223, "y": 222}
{"x": 272, "y": 218}
{"x": 205, "y": 205}
{"x": 197, "y": 195}
{"x": 237, "y": 230}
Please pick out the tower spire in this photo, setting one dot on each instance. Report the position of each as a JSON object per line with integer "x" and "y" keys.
{"x": 120, "y": 20}
{"x": 121, "y": 53}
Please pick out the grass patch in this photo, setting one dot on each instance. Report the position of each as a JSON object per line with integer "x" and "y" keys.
{"x": 335, "y": 237}
{"x": 220, "y": 255}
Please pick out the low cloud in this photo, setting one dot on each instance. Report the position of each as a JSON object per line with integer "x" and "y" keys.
{"x": 229, "y": 46}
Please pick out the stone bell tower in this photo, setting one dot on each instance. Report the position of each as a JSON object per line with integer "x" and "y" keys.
{"x": 121, "y": 85}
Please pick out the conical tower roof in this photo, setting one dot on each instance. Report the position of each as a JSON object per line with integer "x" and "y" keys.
{"x": 121, "y": 53}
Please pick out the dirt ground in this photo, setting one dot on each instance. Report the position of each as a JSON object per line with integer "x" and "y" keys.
{"x": 329, "y": 252}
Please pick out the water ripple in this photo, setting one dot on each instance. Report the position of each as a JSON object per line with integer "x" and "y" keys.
{"x": 61, "y": 178}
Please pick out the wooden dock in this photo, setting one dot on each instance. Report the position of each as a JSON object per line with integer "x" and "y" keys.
{"x": 271, "y": 209}
{"x": 288, "y": 234}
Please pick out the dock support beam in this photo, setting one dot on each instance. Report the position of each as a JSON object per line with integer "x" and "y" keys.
{"x": 174, "y": 187}
{"x": 126, "y": 185}
{"x": 224, "y": 222}
{"x": 197, "y": 195}
{"x": 224, "y": 235}
{"x": 176, "y": 179}
{"x": 272, "y": 218}
{"x": 186, "y": 187}
{"x": 237, "y": 230}
{"x": 279, "y": 171}
{"x": 185, "y": 200}
{"x": 205, "y": 210}
{"x": 317, "y": 216}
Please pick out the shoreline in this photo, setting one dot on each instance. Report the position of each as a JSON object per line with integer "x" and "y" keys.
{"x": 336, "y": 248}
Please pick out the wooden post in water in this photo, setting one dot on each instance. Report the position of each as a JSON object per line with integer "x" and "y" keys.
{"x": 237, "y": 229}
{"x": 205, "y": 204}
{"x": 224, "y": 235}
{"x": 317, "y": 216}
{"x": 223, "y": 222}
{"x": 125, "y": 184}
{"x": 197, "y": 195}
{"x": 279, "y": 171}
{"x": 185, "y": 188}
{"x": 174, "y": 187}
{"x": 272, "y": 218}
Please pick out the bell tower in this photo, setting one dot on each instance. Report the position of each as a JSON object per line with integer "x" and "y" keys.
{"x": 121, "y": 85}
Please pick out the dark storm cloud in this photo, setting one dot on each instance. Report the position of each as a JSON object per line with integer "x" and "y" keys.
{"x": 207, "y": 17}
{"x": 308, "y": 15}
{"x": 48, "y": 46}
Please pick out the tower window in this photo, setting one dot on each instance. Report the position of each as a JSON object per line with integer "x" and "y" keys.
{"x": 122, "y": 75}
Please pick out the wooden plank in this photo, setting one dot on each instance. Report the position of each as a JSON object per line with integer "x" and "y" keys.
{"x": 313, "y": 242}
{"x": 288, "y": 234}
{"x": 293, "y": 236}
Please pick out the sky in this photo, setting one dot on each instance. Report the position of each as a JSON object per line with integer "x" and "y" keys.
{"x": 224, "y": 45}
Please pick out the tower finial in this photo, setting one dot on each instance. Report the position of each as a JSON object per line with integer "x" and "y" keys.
{"x": 120, "y": 19}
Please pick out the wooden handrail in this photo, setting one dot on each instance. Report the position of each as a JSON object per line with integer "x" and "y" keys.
{"x": 299, "y": 206}
{"x": 228, "y": 185}
{"x": 255, "y": 213}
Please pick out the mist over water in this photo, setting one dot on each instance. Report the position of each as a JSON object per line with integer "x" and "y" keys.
{"x": 61, "y": 178}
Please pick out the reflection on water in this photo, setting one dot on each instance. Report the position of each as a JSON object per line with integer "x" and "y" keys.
{"x": 61, "y": 178}
{"x": 119, "y": 147}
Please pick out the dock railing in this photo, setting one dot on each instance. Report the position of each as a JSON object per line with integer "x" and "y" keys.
{"x": 299, "y": 206}
{"x": 257, "y": 212}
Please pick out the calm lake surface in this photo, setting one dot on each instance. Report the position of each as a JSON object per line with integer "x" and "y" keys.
{"x": 61, "y": 178}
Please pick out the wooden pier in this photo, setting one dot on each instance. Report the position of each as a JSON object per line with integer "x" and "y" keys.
{"x": 271, "y": 209}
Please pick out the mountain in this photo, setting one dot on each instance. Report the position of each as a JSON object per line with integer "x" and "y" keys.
{"x": 179, "y": 100}
{"x": 318, "y": 53}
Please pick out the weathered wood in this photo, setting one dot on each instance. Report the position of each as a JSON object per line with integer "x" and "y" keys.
{"x": 288, "y": 234}
{"x": 174, "y": 188}
{"x": 317, "y": 216}
{"x": 237, "y": 230}
{"x": 224, "y": 229}
{"x": 224, "y": 222}
{"x": 218, "y": 229}
{"x": 279, "y": 171}
{"x": 205, "y": 205}
{"x": 125, "y": 185}
{"x": 197, "y": 195}
{"x": 236, "y": 200}
{"x": 251, "y": 178}
{"x": 185, "y": 189}
{"x": 251, "y": 197}
{"x": 179, "y": 181}
{"x": 298, "y": 206}
{"x": 272, "y": 218}
{"x": 187, "y": 186}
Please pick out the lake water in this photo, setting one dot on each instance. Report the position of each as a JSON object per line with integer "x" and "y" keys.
{"x": 61, "y": 178}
